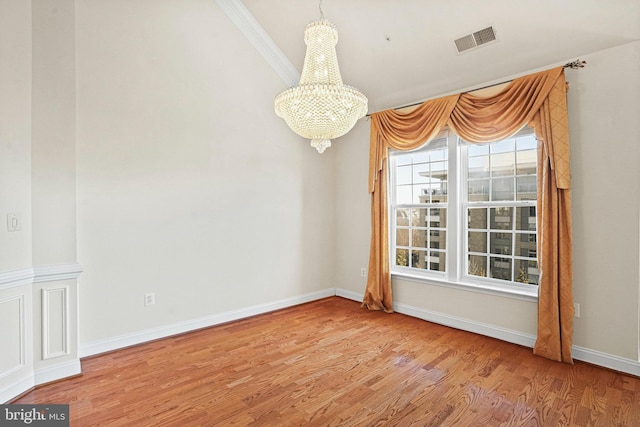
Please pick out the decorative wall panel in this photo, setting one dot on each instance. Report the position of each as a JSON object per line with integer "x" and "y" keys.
{"x": 55, "y": 322}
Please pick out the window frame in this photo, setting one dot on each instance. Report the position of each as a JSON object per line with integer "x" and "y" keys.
{"x": 455, "y": 274}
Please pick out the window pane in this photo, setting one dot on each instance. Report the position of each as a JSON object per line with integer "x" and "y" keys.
{"x": 419, "y": 238}
{"x": 421, "y": 193}
{"x": 502, "y": 164}
{"x": 477, "y": 266}
{"x": 477, "y": 149}
{"x": 526, "y": 162}
{"x": 527, "y": 187}
{"x": 526, "y": 271}
{"x": 501, "y": 243}
{"x": 439, "y": 171}
{"x": 402, "y": 257}
{"x": 403, "y": 194}
{"x": 439, "y": 192}
{"x": 477, "y": 241}
{"x": 527, "y": 142}
{"x": 438, "y": 239}
{"x": 478, "y": 218}
{"x": 500, "y": 268}
{"x": 503, "y": 146}
{"x": 403, "y": 159}
{"x": 420, "y": 173}
{"x": 501, "y": 218}
{"x": 402, "y": 216}
{"x": 526, "y": 218}
{"x": 437, "y": 261}
{"x": 478, "y": 167}
{"x": 438, "y": 155}
{"x": 420, "y": 157}
{"x": 502, "y": 189}
{"x": 526, "y": 245}
{"x": 419, "y": 217}
{"x": 403, "y": 175}
{"x": 438, "y": 189}
{"x": 419, "y": 259}
{"x": 438, "y": 217}
{"x": 479, "y": 190}
{"x": 402, "y": 237}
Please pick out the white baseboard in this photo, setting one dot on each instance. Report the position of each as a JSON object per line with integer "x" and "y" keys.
{"x": 492, "y": 331}
{"x": 349, "y": 294}
{"x": 579, "y": 353}
{"x": 605, "y": 360}
{"x": 57, "y": 372}
{"x": 110, "y": 344}
{"x": 452, "y": 321}
{"x": 16, "y": 389}
{"x": 40, "y": 376}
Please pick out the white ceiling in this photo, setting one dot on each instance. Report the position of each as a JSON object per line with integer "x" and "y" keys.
{"x": 401, "y": 51}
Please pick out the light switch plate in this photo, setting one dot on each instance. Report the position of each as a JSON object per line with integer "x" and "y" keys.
{"x": 14, "y": 222}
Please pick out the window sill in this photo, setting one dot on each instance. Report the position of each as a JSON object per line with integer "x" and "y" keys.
{"x": 521, "y": 294}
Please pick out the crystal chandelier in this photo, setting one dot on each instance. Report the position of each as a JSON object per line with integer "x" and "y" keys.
{"x": 321, "y": 107}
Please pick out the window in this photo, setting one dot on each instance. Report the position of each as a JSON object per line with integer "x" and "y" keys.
{"x": 466, "y": 213}
{"x": 421, "y": 207}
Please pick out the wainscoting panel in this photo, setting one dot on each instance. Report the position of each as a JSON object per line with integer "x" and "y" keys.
{"x": 55, "y": 322}
{"x": 16, "y": 339}
{"x": 38, "y": 327}
{"x": 12, "y": 331}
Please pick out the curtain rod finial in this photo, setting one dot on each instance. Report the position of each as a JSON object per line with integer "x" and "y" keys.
{"x": 574, "y": 65}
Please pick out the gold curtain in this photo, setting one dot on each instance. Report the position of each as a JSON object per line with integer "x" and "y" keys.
{"x": 555, "y": 300}
{"x": 539, "y": 100}
{"x": 402, "y": 131}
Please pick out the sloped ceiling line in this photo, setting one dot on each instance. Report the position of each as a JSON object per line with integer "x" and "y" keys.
{"x": 238, "y": 13}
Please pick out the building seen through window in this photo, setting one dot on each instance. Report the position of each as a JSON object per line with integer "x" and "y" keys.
{"x": 492, "y": 204}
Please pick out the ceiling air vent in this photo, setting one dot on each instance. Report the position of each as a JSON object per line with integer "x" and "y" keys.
{"x": 476, "y": 39}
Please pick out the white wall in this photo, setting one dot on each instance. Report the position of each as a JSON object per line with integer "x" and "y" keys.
{"x": 16, "y": 316}
{"x": 15, "y": 132}
{"x": 53, "y": 133}
{"x": 604, "y": 106}
{"x": 189, "y": 186}
{"x": 38, "y": 293}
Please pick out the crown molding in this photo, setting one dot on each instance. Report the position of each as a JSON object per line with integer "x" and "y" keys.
{"x": 238, "y": 13}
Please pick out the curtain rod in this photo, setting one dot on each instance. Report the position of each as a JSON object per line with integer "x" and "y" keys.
{"x": 574, "y": 65}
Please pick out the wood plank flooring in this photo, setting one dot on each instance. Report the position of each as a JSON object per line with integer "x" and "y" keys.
{"x": 331, "y": 363}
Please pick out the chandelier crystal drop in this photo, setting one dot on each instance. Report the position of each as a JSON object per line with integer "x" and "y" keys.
{"x": 321, "y": 107}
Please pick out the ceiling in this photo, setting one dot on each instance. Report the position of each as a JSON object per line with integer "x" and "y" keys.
{"x": 402, "y": 51}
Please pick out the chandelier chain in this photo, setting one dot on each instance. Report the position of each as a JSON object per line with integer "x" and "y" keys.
{"x": 321, "y": 12}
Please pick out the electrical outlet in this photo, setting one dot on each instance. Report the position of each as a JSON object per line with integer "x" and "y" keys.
{"x": 576, "y": 310}
{"x": 149, "y": 299}
{"x": 363, "y": 272}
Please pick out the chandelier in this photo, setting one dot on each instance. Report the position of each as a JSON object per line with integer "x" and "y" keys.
{"x": 321, "y": 107}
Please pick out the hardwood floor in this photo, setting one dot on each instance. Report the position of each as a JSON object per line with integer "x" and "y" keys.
{"x": 331, "y": 363}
